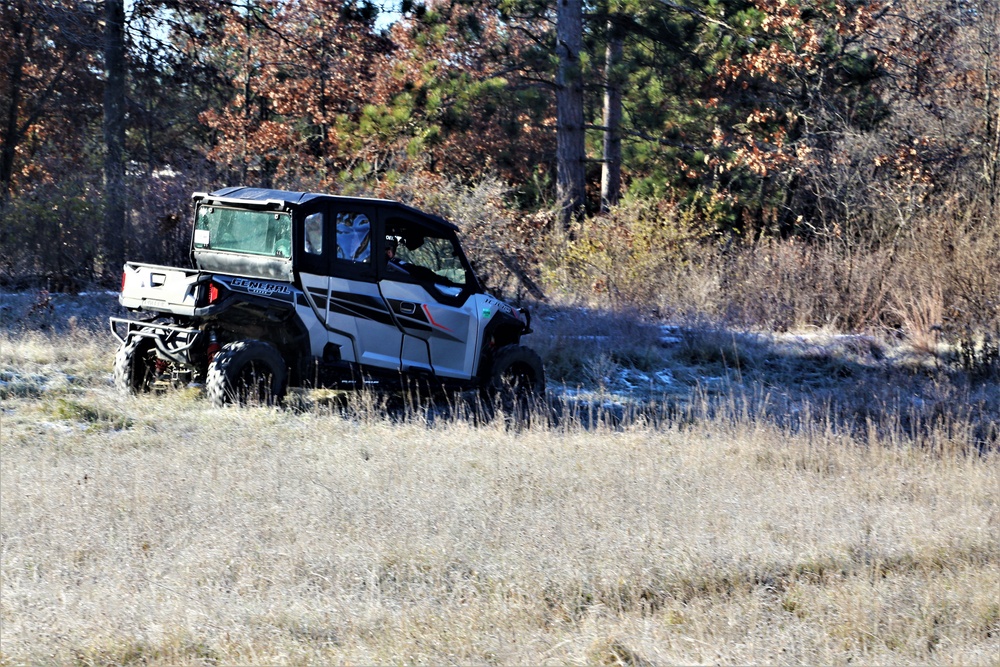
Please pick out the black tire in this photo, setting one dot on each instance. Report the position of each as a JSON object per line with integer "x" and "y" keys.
{"x": 516, "y": 381}
{"x": 134, "y": 366}
{"x": 247, "y": 372}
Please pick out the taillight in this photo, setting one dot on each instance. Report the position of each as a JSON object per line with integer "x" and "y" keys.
{"x": 123, "y": 280}
{"x": 213, "y": 293}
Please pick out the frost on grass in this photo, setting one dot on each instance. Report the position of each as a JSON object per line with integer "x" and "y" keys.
{"x": 155, "y": 529}
{"x": 254, "y": 536}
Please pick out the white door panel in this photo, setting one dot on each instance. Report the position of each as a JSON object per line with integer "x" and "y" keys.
{"x": 450, "y": 332}
{"x": 356, "y": 306}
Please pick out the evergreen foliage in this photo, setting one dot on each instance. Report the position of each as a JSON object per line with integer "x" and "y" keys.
{"x": 836, "y": 122}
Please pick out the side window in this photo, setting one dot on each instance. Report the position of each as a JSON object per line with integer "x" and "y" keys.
{"x": 314, "y": 234}
{"x": 354, "y": 237}
{"x": 417, "y": 252}
{"x": 438, "y": 255}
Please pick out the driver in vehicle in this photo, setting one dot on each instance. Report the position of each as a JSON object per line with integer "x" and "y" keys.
{"x": 391, "y": 246}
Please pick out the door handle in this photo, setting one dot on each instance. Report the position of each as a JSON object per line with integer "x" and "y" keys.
{"x": 407, "y": 308}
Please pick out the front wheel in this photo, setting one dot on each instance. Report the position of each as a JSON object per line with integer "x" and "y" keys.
{"x": 517, "y": 379}
{"x": 247, "y": 372}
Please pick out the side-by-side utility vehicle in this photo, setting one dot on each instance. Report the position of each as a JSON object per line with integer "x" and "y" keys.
{"x": 312, "y": 290}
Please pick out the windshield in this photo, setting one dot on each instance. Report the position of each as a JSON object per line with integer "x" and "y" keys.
{"x": 237, "y": 230}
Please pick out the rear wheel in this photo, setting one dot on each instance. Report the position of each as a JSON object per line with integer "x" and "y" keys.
{"x": 247, "y": 372}
{"x": 135, "y": 369}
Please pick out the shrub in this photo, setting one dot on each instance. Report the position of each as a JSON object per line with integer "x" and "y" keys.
{"x": 47, "y": 234}
{"x": 626, "y": 256}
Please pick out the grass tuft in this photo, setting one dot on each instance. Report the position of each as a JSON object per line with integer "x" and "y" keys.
{"x": 129, "y": 652}
{"x": 96, "y": 418}
{"x": 615, "y": 653}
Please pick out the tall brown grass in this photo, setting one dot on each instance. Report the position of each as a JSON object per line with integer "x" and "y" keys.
{"x": 157, "y": 530}
{"x": 842, "y": 284}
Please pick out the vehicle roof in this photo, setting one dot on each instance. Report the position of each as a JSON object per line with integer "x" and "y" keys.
{"x": 299, "y": 198}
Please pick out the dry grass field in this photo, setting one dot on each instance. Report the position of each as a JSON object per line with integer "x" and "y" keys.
{"x": 156, "y": 530}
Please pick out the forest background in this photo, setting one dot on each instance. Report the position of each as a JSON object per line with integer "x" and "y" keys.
{"x": 767, "y": 163}
{"x": 744, "y": 485}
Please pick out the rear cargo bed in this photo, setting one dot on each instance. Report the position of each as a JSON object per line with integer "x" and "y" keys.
{"x": 163, "y": 289}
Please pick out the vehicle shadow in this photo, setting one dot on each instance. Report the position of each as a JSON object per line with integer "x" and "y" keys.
{"x": 618, "y": 369}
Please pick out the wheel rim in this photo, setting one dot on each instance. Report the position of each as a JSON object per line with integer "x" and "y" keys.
{"x": 144, "y": 369}
{"x": 254, "y": 384}
{"x": 519, "y": 380}
{"x": 517, "y": 389}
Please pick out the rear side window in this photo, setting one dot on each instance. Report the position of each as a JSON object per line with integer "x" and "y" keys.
{"x": 241, "y": 231}
{"x": 354, "y": 237}
{"x": 314, "y": 234}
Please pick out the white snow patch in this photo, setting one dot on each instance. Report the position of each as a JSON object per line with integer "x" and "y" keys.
{"x": 670, "y": 334}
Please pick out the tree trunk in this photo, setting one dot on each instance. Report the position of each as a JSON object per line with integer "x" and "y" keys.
{"x": 991, "y": 104}
{"x": 15, "y": 72}
{"x": 570, "y": 150}
{"x": 114, "y": 137}
{"x": 611, "y": 169}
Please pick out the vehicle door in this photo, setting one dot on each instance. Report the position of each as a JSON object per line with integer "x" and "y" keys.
{"x": 427, "y": 283}
{"x": 338, "y": 275}
{"x": 313, "y": 266}
{"x": 354, "y": 302}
